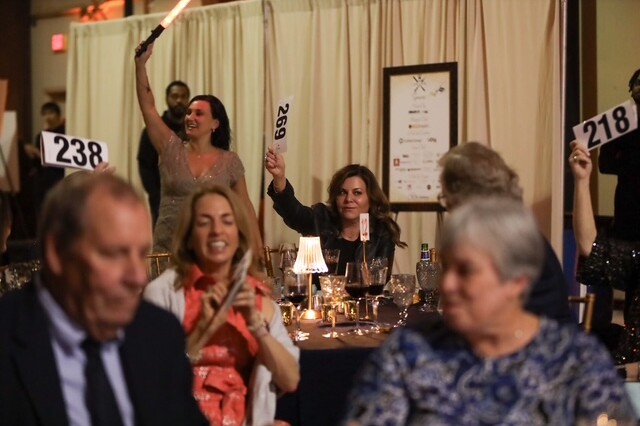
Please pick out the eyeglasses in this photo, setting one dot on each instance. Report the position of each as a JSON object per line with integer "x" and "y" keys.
{"x": 442, "y": 199}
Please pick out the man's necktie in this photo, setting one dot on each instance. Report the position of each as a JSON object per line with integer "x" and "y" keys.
{"x": 101, "y": 401}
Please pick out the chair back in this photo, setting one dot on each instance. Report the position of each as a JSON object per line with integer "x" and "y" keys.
{"x": 589, "y": 301}
{"x": 17, "y": 274}
{"x": 157, "y": 263}
{"x": 268, "y": 260}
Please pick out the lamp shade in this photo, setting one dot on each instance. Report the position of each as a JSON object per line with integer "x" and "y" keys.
{"x": 310, "y": 259}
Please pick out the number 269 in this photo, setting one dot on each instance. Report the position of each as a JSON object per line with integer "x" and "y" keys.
{"x": 281, "y": 122}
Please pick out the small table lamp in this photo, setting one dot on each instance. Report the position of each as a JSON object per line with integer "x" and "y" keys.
{"x": 309, "y": 261}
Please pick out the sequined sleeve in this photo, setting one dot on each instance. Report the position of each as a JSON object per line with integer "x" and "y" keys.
{"x": 235, "y": 167}
{"x": 612, "y": 263}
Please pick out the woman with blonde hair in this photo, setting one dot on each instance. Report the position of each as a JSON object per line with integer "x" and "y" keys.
{"x": 238, "y": 353}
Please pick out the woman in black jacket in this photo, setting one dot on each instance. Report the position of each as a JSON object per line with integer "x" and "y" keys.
{"x": 353, "y": 190}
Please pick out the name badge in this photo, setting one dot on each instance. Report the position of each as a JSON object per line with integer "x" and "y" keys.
{"x": 72, "y": 151}
{"x": 608, "y": 126}
{"x": 364, "y": 226}
{"x": 280, "y": 126}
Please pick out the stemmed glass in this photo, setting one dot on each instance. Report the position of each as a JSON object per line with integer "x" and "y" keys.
{"x": 377, "y": 279}
{"x": 374, "y": 277}
{"x": 332, "y": 287}
{"x": 295, "y": 288}
{"x": 331, "y": 258}
{"x": 355, "y": 289}
{"x": 402, "y": 286}
{"x": 287, "y": 257}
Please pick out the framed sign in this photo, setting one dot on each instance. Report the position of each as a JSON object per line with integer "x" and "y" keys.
{"x": 420, "y": 114}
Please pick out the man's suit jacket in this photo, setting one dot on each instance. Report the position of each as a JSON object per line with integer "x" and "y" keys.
{"x": 157, "y": 372}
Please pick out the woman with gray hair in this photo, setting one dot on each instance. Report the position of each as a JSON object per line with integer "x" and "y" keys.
{"x": 489, "y": 361}
{"x": 473, "y": 169}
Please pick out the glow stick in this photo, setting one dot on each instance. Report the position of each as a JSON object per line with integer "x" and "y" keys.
{"x": 164, "y": 24}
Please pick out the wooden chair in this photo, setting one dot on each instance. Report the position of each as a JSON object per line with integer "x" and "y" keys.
{"x": 157, "y": 263}
{"x": 268, "y": 260}
{"x": 589, "y": 301}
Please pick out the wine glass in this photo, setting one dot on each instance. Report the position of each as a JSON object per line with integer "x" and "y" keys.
{"x": 287, "y": 257}
{"x": 402, "y": 286}
{"x": 377, "y": 279}
{"x": 374, "y": 277}
{"x": 355, "y": 289}
{"x": 331, "y": 258}
{"x": 332, "y": 287}
{"x": 295, "y": 288}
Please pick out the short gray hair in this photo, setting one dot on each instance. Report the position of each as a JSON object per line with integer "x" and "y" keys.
{"x": 502, "y": 228}
{"x": 63, "y": 215}
{"x": 474, "y": 169}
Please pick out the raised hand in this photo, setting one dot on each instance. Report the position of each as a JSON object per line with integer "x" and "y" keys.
{"x": 274, "y": 163}
{"x": 104, "y": 167}
{"x": 144, "y": 57}
{"x": 580, "y": 161}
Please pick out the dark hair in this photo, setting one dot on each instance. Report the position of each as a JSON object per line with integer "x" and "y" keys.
{"x": 63, "y": 214}
{"x": 221, "y": 138}
{"x": 379, "y": 207}
{"x": 633, "y": 79}
{"x": 51, "y": 106}
{"x": 177, "y": 83}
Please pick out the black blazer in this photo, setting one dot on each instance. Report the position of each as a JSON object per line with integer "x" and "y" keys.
{"x": 158, "y": 375}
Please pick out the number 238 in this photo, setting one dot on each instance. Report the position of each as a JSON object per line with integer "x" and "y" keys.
{"x": 94, "y": 155}
{"x": 281, "y": 122}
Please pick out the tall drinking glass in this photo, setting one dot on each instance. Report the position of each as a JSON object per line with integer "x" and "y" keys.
{"x": 402, "y": 286}
{"x": 355, "y": 289}
{"x": 331, "y": 258}
{"x": 332, "y": 287}
{"x": 287, "y": 256}
{"x": 376, "y": 281}
{"x": 296, "y": 292}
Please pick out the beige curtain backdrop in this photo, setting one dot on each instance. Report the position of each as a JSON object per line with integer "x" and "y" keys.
{"x": 215, "y": 50}
{"x": 329, "y": 55}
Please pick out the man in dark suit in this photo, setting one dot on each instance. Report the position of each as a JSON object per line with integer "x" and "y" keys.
{"x": 81, "y": 334}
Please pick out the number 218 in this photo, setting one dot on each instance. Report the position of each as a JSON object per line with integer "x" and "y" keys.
{"x": 621, "y": 124}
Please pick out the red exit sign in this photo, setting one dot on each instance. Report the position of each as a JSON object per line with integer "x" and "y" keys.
{"x": 58, "y": 43}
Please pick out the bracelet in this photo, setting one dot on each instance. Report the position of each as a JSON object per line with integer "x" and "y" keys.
{"x": 260, "y": 332}
{"x": 194, "y": 359}
{"x": 259, "y": 327}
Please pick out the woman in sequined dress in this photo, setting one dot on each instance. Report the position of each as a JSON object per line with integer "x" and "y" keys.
{"x": 604, "y": 260}
{"x": 242, "y": 356}
{"x": 489, "y": 361}
{"x": 204, "y": 158}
